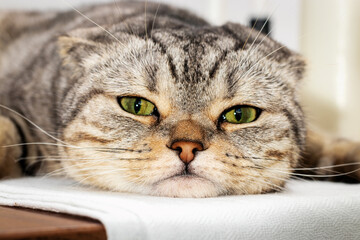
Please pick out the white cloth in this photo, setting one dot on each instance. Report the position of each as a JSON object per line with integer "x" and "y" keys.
{"x": 306, "y": 210}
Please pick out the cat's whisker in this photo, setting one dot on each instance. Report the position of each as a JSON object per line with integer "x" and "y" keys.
{"x": 299, "y": 178}
{"x": 57, "y": 172}
{"x": 257, "y": 166}
{"x": 116, "y": 149}
{"x": 96, "y": 168}
{"x": 37, "y": 143}
{"x": 89, "y": 159}
{"x": 290, "y": 177}
{"x": 97, "y": 173}
{"x": 62, "y": 170}
{"x": 328, "y": 171}
{"x": 37, "y": 158}
{"x": 119, "y": 150}
{"x": 266, "y": 159}
{"x": 328, "y": 167}
{"x": 294, "y": 175}
{"x": 273, "y": 186}
{"x": 251, "y": 158}
{"x": 32, "y": 123}
{"x": 95, "y": 163}
{"x": 278, "y": 177}
{"x": 316, "y": 175}
{"x": 100, "y": 149}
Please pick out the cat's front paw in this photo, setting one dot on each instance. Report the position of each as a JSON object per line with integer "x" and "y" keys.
{"x": 344, "y": 157}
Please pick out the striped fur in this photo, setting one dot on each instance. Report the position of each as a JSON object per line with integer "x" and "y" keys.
{"x": 65, "y": 74}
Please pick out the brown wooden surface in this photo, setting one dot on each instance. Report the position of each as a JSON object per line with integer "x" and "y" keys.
{"x": 20, "y": 223}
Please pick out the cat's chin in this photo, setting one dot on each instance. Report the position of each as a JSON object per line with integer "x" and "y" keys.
{"x": 188, "y": 186}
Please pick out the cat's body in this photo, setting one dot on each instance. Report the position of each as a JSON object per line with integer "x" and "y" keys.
{"x": 73, "y": 78}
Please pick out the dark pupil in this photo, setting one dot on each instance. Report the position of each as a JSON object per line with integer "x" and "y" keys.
{"x": 137, "y": 105}
{"x": 238, "y": 114}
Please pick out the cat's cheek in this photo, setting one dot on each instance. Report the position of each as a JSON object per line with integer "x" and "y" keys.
{"x": 236, "y": 175}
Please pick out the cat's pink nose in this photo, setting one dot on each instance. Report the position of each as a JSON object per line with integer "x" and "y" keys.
{"x": 187, "y": 150}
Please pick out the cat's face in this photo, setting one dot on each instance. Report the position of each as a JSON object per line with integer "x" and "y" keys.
{"x": 181, "y": 113}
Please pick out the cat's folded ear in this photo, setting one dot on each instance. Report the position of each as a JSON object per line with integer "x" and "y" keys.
{"x": 73, "y": 50}
{"x": 80, "y": 44}
{"x": 273, "y": 50}
{"x": 297, "y": 66}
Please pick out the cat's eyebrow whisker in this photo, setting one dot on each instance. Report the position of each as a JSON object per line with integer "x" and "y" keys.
{"x": 251, "y": 50}
{"x": 261, "y": 59}
{"x": 154, "y": 20}
{"x": 146, "y": 34}
{"x": 127, "y": 24}
{"x": 262, "y": 28}
{"x": 252, "y": 29}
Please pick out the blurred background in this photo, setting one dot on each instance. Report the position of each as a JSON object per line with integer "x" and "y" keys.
{"x": 326, "y": 32}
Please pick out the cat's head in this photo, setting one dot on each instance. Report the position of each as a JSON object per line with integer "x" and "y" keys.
{"x": 183, "y": 112}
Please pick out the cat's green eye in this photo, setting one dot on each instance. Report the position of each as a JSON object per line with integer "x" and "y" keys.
{"x": 137, "y": 106}
{"x": 241, "y": 114}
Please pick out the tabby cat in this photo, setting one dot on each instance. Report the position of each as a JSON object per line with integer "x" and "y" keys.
{"x": 155, "y": 101}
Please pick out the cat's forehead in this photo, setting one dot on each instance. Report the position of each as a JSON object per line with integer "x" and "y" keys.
{"x": 228, "y": 37}
{"x": 220, "y": 62}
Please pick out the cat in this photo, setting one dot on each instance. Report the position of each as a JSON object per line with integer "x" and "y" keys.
{"x": 156, "y": 101}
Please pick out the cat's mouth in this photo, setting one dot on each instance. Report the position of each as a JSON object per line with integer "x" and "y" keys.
{"x": 184, "y": 175}
{"x": 186, "y": 185}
